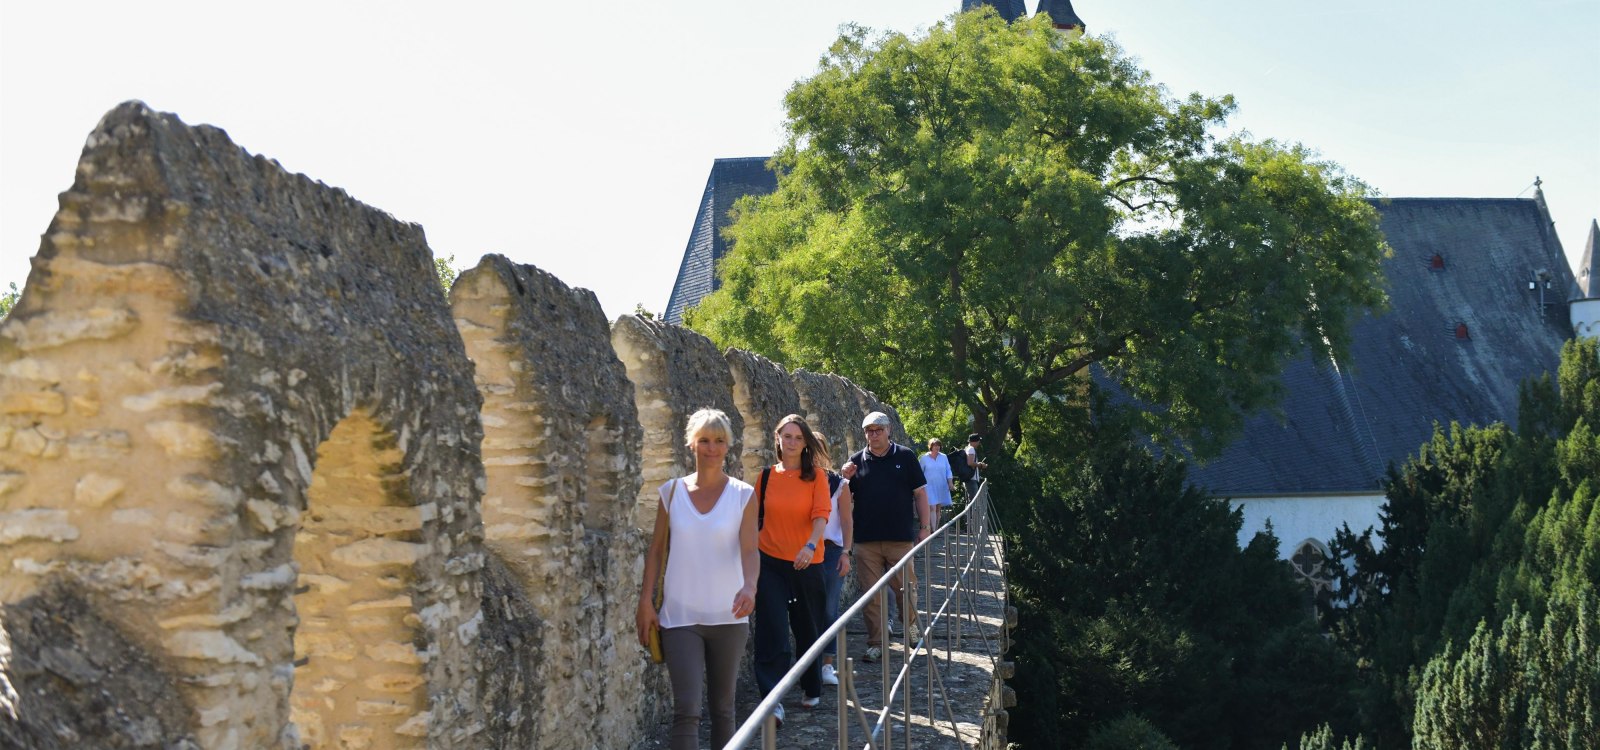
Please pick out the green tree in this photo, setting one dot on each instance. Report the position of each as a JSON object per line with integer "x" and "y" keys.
{"x": 445, "y": 269}
{"x": 1128, "y": 733}
{"x": 1490, "y": 541}
{"x": 8, "y": 300}
{"x": 1135, "y": 598}
{"x": 1324, "y": 739}
{"x": 982, "y": 213}
{"x": 1522, "y": 685}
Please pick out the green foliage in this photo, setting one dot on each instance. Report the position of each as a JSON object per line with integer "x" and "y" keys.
{"x": 977, "y": 215}
{"x": 1521, "y": 685}
{"x": 1490, "y": 539}
{"x": 1136, "y": 599}
{"x": 1324, "y": 739}
{"x": 445, "y": 268}
{"x": 8, "y": 300}
{"x": 1128, "y": 733}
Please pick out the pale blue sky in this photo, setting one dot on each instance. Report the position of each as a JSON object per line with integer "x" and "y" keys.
{"x": 577, "y": 137}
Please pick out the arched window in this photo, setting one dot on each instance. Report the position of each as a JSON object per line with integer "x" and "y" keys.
{"x": 1310, "y": 562}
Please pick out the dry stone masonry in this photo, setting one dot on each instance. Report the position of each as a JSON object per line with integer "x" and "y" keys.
{"x": 263, "y": 486}
{"x": 763, "y": 395}
{"x": 561, "y": 450}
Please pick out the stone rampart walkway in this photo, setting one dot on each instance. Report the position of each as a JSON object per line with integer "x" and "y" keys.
{"x": 966, "y": 664}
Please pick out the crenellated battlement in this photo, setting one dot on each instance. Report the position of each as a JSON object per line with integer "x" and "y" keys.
{"x": 263, "y": 485}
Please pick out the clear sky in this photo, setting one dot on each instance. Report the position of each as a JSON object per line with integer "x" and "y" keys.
{"x": 578, "y": 136}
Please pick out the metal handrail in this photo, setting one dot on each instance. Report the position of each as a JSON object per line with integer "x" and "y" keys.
{"x": 763, "y": 717}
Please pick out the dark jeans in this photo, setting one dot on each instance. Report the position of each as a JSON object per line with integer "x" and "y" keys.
{"x": 831, "y": 584}
{"x": 784, "y": 594}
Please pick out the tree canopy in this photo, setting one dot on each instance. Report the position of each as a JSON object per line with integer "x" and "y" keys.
{"x": 8, "y": 300}
{"x": 1477, "y": 617}
{"x": 1140, "y": 613}
{"x": 981, "y": 213}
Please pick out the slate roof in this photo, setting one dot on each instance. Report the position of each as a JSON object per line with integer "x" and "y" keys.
{"x": 1010, "y": 10}
{"x": 1343, "y": 424}
{"x": 1061, "y": 13}
{"x": 730, "y": 180}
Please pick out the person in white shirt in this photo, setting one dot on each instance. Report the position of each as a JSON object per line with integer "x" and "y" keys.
{"x": 839, "y": 535}
{"x": 936, "y": 468}
{"x": 709, "y": 591}
{"x": 977, "y": 466}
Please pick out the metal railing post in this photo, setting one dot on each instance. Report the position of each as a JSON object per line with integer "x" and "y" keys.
{"x": 968, "y": 547}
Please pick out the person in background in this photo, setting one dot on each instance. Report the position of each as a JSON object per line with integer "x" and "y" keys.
{"x": 891, "y": 516}
{"x": 936, "y": 470}
{"x": 710, "y": 585}
{"x": 793, "y": 514}
{"x": 838, "y": 536}
{"x": 977, "y": 466}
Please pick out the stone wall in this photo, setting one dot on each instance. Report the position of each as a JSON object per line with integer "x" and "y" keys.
{"x": 289, "y": 495}
{"x": 764, "y": 395}
{"x": 561, "y": 453}
{"x": 238, "y": 426}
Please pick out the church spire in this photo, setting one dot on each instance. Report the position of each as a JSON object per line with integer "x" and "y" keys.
{"x": 1061, "y": 14}
{"x": 1589, "y": 265}
{"x": 1585, "y": 310}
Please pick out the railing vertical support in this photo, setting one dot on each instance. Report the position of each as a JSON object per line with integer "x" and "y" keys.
{"x": 883, "y": 658}
{"x": 927, "y": 640}
{"x": 841, "y": 653}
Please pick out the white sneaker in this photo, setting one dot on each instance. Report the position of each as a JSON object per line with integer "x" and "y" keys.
{"x": 778, "y": 714}
{"x": 811, "y": 702}
{"x": 829, "y": 677}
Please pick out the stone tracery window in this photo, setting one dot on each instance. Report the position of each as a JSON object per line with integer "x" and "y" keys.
{"x": 1310, "y": 562}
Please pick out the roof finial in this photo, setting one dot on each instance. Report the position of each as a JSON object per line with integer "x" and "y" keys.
{"x": 1537, "y": 182}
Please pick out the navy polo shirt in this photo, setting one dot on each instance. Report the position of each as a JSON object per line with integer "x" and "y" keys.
{"x": 884, "y": 494}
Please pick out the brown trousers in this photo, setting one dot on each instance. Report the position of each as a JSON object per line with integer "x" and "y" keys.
{"x": 872, "y": 559}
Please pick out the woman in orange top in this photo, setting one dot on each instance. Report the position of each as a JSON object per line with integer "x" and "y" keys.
{"x": 793, "y": 514}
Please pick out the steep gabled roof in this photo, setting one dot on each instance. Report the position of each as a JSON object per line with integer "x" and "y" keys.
{"x": 1061, "y": 13}
{"x": 1010, "y": 10}
{"x": 730, "y": 180}
{"x": 1589, "y": 265}
{"x": 1343, "y": 423}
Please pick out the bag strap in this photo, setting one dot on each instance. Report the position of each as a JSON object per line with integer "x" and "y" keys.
{"x": 761, "y": 507}
{"x": 660, "y": 595}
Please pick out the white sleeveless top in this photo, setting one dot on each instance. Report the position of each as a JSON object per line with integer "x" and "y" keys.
{"x": 834, "y": 531}
{"x": 704, "y": 569}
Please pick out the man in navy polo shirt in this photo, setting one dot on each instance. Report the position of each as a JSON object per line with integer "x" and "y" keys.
{"x": 891, "y": 516}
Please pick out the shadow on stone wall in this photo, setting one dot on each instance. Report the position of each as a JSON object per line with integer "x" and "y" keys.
{"x": 289, "y": 494}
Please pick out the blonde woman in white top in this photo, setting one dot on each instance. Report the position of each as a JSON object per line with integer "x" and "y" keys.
{"x": 710, "y": 585}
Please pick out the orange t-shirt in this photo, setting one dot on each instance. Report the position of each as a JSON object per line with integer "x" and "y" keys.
{"x": 792, "y": 503}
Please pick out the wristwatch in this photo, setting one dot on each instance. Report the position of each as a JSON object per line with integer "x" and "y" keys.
{"x": 811, "y": 546}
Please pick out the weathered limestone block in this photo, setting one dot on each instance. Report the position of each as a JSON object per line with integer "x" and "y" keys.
{"x": 764, "y": 395}
{"x": 831, "y": 408}
{"x": 675, "y": 372}
{"x": 208, "y": 351}
{"x": 562, "y": 452}
{"x": 74, "y": 679}
{"x": 513, "y": 641}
